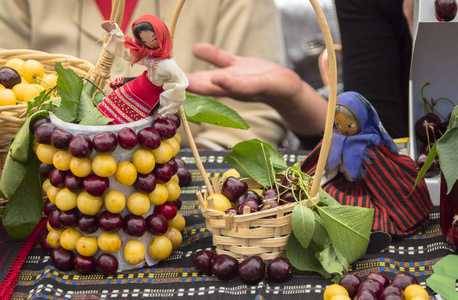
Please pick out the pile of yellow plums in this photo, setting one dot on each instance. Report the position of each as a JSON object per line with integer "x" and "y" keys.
{"x": 22, "y": 80}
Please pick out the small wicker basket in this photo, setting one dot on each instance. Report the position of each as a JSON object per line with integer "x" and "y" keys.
{"x": 11, "y": 122}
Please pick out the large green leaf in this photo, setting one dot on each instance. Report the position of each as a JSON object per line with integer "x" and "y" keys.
{"x": 303, "y": 221}
{"x": 304, "y": 259}
{"x": 25, "y": 206}
{"x": 448, "y": 156}
{"x": 257, "y": 160}
{"x": 349, "y": 228}
{"x": 320, "y": 235}
{"x": 69, "y": 86}
{"x": 200, "y": 109}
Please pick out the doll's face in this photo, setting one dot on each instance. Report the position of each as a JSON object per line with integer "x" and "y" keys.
{"x": 346, "y": 123}
{"x": 149, "y": 39}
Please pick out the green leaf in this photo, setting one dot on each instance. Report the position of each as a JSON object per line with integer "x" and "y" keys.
{"x": 25, "y": 206}
{"x": 94, "y": 117}
{"x": 37, "y": 101}
{"x": 303, "y": 221}
{"x": 257, "y": 160}
{"x": 85, "y": 105}
{"x": 349, "y": 228}
{"x": 330, "y": 259}
{"x": 429, "y": 159}
{"x": 19, "y": 148}
{"x": 446, "y": 149}
{"x": 200, "y": 109}
{"x": 69, "y": 86}
{"x": 304, "y": 259}
{"x": 320, "y": 235}
{"x": 16, "y": 172}
{"x": 443, "y": 280}
{"x": 326, "y": 199}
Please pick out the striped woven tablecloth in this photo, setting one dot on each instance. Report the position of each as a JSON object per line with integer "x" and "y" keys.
{"x": 176, "y": 276}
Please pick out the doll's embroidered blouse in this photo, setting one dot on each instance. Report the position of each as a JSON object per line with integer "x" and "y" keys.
{"x": 161, "y": 72}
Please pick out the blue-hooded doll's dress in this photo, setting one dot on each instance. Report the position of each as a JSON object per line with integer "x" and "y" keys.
{"x": 380, "y": 178}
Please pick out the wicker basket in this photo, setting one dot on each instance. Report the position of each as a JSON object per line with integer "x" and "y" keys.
{"x": 265, "y": 233}
{"x": 11, "y": 122}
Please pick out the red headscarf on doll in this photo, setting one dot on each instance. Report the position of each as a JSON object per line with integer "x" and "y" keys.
{"x": 164, "y": 40}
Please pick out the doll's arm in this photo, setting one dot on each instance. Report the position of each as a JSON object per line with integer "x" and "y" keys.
{"x": 115, "y": 40}
{"x": 174, "y": 85}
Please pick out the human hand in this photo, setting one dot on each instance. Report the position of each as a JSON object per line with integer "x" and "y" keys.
{"x": 243, "y": 78}
{"x": 108, "y": 25}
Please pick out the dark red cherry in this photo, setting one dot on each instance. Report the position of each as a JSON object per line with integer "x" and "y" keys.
{"x": 168, "y": 209}
{"x": 44, "y": 244}
{"x": 107, "y": 263}
{"x": 80, "y": 146}
{"x": 149, "y": 138}
{"x": 433, "y": 169}
{"x": 88, "y": 224}
{"x": 225, "y": 267}
{"x": 252, "y": 269}
{"x": 372, "y": 285}
{"x": 61, "y": 138}
{"x": 233, "y": 188}
{"x": 48, "y": 206}
{"x": 109, "y": 222}
{"x": 378, "y": 277}
{"x": 96, "y": 185}
{"x": 62, "y": 259}
{"x": 162, "y": 172}
{"x": 156, "y": 224}
{"x": 134, "y": 225}
{"x": 145, "y": 182}
{"x": 84, "y": 264}
{"x": 9, "y": 77}
{"x": 279, "y": 269}
{"x": 351, "y": 283}
{"x": 36, "y": 122}
{"x": 45, "y": 169}
{"x": 184, "y": 176}
{"x": 404, "y": 279}
{"x": 105, "y": 142}
{"x": 69, "y": 218}
{"x": 427, "y": 126}
{"x": 43, "y": 133}
{"x": 203, "y": 261}
{"x": 252, "y": 204}
{"x": 73, "y": 183}
{"x": 165, "y": 127}
{"x": 57, "y": 177}
{"x": 127, "y": 138}
{"x": 175, "y": 119}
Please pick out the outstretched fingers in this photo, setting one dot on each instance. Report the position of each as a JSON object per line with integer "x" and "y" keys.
{"x": 213, "y": 55}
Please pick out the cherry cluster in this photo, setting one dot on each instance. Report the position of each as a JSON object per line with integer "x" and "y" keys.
{"x": 101, "y": 213}
{"x": 251, "y": 270}
{"x": 377, "y": 286}
{"x": 237, "y": 192}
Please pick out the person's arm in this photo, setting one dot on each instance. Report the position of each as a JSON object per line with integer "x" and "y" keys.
{"x": 258, "y": 80}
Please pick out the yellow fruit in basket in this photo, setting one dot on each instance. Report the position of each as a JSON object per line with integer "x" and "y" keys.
{"x": 46, "y": 184}
{"x": 7, "y": 97}
{"x": 18, "y": 90}
{"x": 160, "y": 248}
{"x": 415, "y": 290}
{"x": 52, "y": 192}
{"x": 174, "y": 144}
{"x": 49, "y": 81}
{"x": 2, "y": 87}
{"x": 87, "y": 245}
{"x": 134, "y": 252}
{"x": 32, "y": 68}
{"x": 17, "y": 64}
{"x": 230, "y": 172}
{"x": 177, "y": 136}
{"x": 104, "y": 165}
{"x": 220, "y": 201}
{"x": 31, "y": 91}
{"x": 126, "y": 173}
{"x": 334, "y": 289}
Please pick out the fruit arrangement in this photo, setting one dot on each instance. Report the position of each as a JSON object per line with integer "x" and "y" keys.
{"x": 428, "y": 128}
{"x": 403, "y": 286}
{"x": 251, "y": 270}
{"x": 114, "y": 196}
{"x": 22, "y": 80}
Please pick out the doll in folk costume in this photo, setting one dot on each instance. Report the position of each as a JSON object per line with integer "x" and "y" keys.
{"x": 365, "y": 169}
{"x": 163, "y": 82}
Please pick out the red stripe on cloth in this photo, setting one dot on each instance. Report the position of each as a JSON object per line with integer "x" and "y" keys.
{"x": 129, "y": 7}
{"x": 8, "y": 283}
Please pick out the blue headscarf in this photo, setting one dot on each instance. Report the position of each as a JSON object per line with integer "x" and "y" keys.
{"x": 353, "y": 148}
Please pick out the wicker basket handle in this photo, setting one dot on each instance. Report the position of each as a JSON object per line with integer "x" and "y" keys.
{"x": 328, "y": 131}
{"x": 102, "y": 70}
